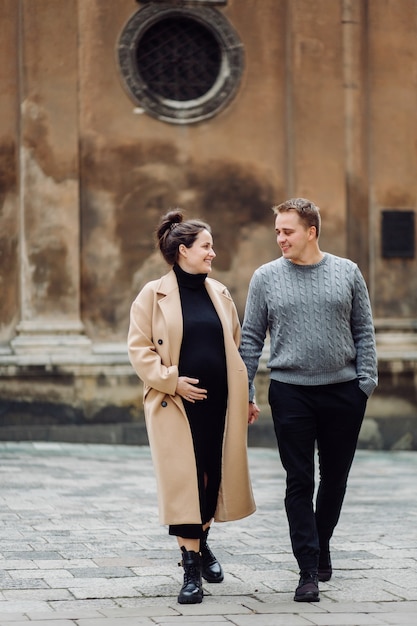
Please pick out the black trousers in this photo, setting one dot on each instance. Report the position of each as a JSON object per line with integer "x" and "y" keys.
{"x": 329, "y": 417}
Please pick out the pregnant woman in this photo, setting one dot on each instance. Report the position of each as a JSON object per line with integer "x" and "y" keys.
{"x": 183, "y": 344}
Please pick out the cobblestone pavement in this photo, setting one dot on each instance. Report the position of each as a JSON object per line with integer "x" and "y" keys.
{"x": 80, "y": 544}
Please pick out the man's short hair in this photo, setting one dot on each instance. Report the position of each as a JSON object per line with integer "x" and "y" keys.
{"x": 308, "y": 212}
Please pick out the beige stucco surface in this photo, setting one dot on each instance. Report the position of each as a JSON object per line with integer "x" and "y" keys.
{"x": 325, "y": 109}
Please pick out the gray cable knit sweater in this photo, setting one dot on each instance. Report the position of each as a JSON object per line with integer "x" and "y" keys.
{"x": 320, "y": 324}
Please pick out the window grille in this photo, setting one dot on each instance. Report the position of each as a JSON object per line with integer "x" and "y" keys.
{"x": 179, "y": 59}
{"x": 180, "y": 65}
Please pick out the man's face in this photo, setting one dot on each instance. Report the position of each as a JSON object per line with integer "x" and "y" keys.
{"x": 293, "y": 237}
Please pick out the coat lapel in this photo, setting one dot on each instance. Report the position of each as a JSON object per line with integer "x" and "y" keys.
{"x": 170, "y": 307}
{"x": 218, "y": 299}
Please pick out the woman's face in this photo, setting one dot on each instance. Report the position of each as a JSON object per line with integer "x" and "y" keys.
{"x": 198, "y": 258}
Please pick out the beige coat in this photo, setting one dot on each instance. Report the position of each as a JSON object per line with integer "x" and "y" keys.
{"x": 154, "y": 343}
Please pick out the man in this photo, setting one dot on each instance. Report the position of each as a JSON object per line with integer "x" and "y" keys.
{"x": 323, "y": 368}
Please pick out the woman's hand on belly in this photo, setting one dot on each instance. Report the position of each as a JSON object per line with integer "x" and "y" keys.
{"x": 188, "y": 390}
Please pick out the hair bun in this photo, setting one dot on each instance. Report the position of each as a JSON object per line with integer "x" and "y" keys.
{"x": 174, "y": 217}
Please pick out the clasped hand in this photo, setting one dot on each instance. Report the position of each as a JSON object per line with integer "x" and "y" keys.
{"x": 253, "y": 412}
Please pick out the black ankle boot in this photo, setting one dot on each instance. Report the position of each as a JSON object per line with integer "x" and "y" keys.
{"x": 211, "y": 569}
{"x": 308, "y": 587}
{"x": 192, "y": 589}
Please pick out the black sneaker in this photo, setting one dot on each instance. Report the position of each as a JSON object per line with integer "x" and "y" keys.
{"x": 308, "y": 588}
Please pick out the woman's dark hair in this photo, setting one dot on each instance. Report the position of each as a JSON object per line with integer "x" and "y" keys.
{"x": 173, "y": 231}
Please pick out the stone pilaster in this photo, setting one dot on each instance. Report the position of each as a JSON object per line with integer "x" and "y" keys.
{"x": 49, "y": 188}
{"x": 354, "y": 34}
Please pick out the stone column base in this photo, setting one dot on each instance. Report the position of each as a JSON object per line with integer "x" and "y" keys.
{"x": 50, "y": 338}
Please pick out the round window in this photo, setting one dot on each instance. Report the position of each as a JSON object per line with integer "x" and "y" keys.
{"x": 180, "y": 65}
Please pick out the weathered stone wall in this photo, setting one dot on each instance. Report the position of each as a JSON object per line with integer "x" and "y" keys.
{"x": 9, "y": 184}
{"x": 326, "y": 110}
{"x": 133, "y": 168}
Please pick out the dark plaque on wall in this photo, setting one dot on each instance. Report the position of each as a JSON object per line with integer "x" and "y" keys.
{"x": 398, "y": 238}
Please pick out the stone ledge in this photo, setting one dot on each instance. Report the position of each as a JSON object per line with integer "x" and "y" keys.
{"x": 114, "y": 434}
{"x": 377, "y": 433}
{"x": 97, "y": 398}
{"x": 394, "y": 433}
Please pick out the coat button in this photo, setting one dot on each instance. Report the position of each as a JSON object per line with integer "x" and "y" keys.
{"x": 160, "y": 342}
{"x": 164, "y": 403}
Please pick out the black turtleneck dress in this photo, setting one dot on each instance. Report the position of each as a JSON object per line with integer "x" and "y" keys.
{"x": 203, "y": 356}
